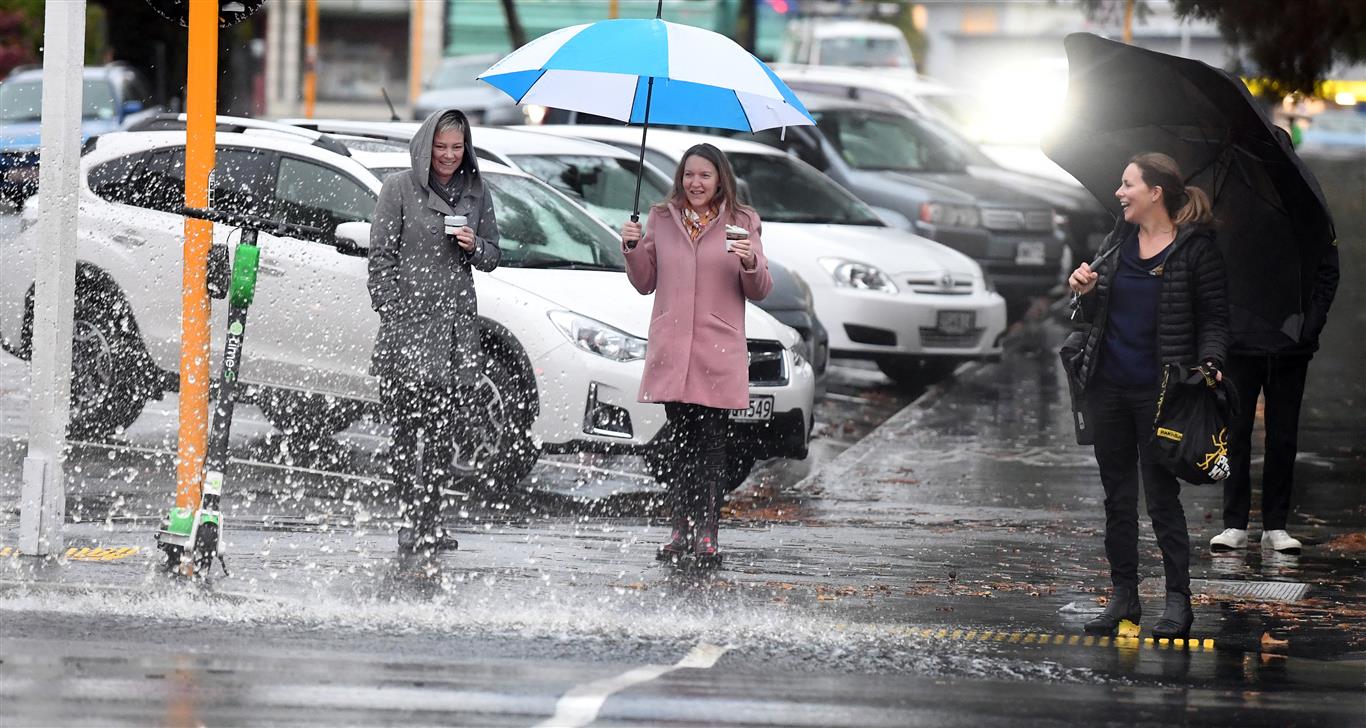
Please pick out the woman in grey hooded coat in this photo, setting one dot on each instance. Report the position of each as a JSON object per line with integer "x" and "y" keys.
{"x": 427, "y": 352}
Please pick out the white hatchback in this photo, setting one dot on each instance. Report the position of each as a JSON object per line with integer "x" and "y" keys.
{"x": 563, "y": 329}
{"x": 912, "y": 305}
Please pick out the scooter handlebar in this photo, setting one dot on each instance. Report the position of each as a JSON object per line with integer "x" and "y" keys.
{"x": 252, "y": 222}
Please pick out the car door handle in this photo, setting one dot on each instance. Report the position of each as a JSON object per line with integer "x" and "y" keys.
{"x": 270, "y": 270}
{"x": 128, "y": 241}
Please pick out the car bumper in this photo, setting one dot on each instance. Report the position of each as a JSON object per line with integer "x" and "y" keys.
{"x": 870, "y": 324}
{"x": 591, "y": 405}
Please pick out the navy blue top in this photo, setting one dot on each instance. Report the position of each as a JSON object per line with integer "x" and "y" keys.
{"x": 1128, "y": 355}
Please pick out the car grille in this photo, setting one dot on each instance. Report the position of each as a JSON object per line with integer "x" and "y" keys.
{"x": 767, "y": 366}
{"x": 934, "y": 338}
{"x": 1006, "y": 220}
{"x": 945, "y": 285}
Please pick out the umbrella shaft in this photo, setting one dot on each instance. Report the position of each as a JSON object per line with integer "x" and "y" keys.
{"x": 640, "y": 170}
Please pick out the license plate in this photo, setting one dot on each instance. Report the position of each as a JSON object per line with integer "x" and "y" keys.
{"x": 956, "y": 322}
{"x": 760, "y": 409}
{"x": 1030, "y": 253}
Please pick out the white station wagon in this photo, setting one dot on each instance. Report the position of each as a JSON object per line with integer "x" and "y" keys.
{"x": 912, "y": 305}
{"x": 562, "y": 327}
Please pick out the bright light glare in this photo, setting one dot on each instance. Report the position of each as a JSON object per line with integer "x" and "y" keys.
{"x": 1019, "y": 105}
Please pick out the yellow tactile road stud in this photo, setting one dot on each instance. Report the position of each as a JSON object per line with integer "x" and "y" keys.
{"x": 1128, "y": 638}
{"x": 101, "y": 554}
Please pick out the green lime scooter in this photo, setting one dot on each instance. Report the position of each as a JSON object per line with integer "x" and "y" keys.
{"x": 190, "y": 536}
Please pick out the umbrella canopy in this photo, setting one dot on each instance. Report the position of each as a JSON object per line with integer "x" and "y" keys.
{"x": 1272, "y": 221}
{"x": 612, "y": 68}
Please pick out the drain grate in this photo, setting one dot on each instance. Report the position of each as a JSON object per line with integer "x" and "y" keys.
{"x": 1267, "y": 591}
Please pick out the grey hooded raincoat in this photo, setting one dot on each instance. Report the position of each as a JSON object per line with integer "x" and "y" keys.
{"x": 420, "y": 280}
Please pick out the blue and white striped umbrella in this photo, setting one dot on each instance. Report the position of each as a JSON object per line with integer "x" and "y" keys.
{"x": 690, "y": 76}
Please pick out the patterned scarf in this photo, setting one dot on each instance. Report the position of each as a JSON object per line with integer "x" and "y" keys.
{"x": 695, "y": 223}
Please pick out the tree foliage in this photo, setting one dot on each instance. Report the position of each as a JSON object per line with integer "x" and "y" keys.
{"x": 1293, "y": 45}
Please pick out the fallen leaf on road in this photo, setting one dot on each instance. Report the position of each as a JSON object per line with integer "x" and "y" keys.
{"x": 1271, "y": 643}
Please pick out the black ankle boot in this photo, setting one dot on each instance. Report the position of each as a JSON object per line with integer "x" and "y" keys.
{"x": 680, "y": 528}
{"x": 1123, "y": 605}
{"x": 705, "y": 546}
{"x": 1177, "y": 617}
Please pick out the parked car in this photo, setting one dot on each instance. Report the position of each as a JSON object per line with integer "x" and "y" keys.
{"x": 912, "y": 305}
{"x": 602, "y": 179}
{"x": 911, "y": 166}
{"x": 453, "y": 84}
{"x": 842, "y": 42}
{"x": 1338, "y": 132}
{"x": 112, "y": 96}
{"x": 909, "y": 91}
{"x": 563, "y": 330}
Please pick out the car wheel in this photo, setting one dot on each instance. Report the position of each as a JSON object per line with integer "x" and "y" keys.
{"x": 493, "y": 435}
{"x": 299, "y": 414}
{"x": 107, "y": 387}
{"x": 916, "y": 372}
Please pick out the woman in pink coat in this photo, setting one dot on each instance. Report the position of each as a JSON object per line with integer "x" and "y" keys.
{"x": 697, "y": 361}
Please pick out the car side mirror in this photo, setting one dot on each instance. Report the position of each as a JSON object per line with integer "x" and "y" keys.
{"x": 352, "y": 237}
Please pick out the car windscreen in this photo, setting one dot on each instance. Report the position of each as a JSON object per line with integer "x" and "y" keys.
{"x": 457, "y": 72}
{"x": 785, "y": 190}
{"x": 605, "y": 185}
{"x": 540, "y": 229}
{"x": 880, "y": 52}
{"x": 881, "y": 141}
{"x": 23, "y": 100}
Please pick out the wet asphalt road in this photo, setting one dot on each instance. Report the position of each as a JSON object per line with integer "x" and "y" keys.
{"x": 933, "y": 571}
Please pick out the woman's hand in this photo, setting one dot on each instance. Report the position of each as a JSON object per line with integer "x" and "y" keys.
{"x": 630, "y": 234}
{"x": 1083, "y": 279}
{"x": 741, "y": 248}
{"x": 464, "y": 237}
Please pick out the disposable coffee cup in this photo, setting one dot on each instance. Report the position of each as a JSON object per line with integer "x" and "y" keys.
{"x": 735, "y": 232}
{"x": 454, "y": 223}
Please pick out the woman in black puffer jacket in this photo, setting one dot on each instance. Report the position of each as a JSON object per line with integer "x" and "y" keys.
{"x": 1157, "y": 296}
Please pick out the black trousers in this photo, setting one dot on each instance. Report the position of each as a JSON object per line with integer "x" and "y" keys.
{"x": 421, "y": 460}
{"x": 1280, "y": 379}
{"x": 695, "y": 458}
{"x": 1123, "y": 419}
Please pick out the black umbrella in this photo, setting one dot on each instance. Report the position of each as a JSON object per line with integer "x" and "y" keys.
{"x": 1273, "y": 223}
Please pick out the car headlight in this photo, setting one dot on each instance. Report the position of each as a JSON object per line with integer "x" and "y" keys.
{"x": 852, "y": 274}
{"x": 951, "y": 215}
{"x": 597, "y": 337}
{"x": 801, "y": 352}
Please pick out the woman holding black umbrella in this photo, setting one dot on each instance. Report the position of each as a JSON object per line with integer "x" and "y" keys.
{"x": 1156, "y": 296}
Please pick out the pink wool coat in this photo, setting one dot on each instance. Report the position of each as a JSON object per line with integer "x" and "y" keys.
{"x": 697, "y": 351}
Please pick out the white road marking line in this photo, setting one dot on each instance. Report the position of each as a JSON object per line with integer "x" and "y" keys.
{"x": 581, "y": 704}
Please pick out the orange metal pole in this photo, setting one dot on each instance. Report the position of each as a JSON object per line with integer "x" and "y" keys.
{"x": 311, "y": 59}
{"x": 1128, "y": 22}
{"x": 415, "y": 51}
{"x": 201, "y": 108}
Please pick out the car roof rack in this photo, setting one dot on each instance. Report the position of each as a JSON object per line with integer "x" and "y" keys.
{"x": 240, "y": 125}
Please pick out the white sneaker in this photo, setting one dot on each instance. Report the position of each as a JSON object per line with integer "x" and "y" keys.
{"x": 1280, "y": 541}
{"x": 1230, "y": 539}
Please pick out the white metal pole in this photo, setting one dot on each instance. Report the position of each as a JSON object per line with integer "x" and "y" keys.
{"x": 43, "y": 499}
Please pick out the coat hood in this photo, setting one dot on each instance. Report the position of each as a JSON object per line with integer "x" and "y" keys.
{"x": 420, "y": 148}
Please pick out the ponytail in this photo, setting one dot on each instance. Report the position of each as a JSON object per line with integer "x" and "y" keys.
{"x": 1196, "y": 209}
{"x": 1185, "y": 204}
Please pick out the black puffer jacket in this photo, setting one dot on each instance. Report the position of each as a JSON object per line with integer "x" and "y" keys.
{"x": 1192, "y": 309}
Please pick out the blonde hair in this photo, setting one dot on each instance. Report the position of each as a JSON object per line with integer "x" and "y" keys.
{"x": 1185, "y": 204}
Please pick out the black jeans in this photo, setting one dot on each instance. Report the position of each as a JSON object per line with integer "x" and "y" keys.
{"x": 1123, "y": 419}
{"x": 1280, "y": 379}
{"x": 424, "y": 420}
{"x": 695, "y": 455}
